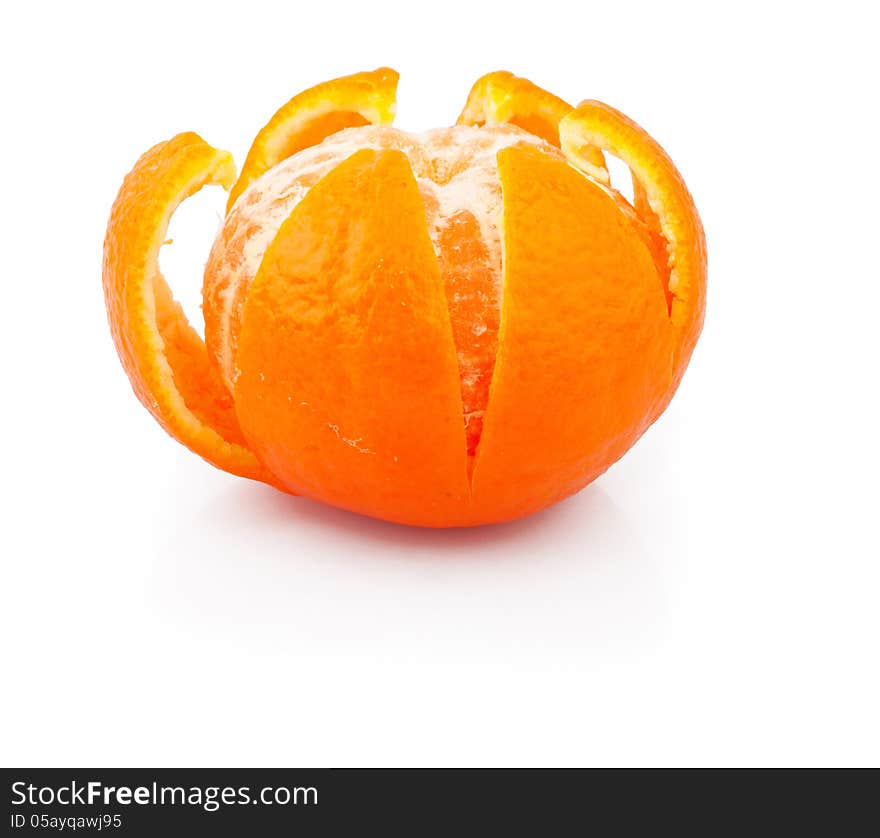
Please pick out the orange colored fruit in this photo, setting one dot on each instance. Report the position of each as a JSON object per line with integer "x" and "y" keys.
{"x": 446, "y": 329}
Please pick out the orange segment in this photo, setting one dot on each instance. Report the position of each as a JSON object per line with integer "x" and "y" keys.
{"x": 666, "y": 206}
{"x": 472, "y": 292}
{"x": 503, "y": 97}
{"x": 164, "y": 357}
{"x": 310, "y": 116}
{"x": 349, "y": 380}
{"x": 585, "y": 343}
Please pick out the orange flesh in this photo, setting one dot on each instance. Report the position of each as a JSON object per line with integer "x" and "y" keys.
{"x": 456, "y": 172}
{"x": 472, "y": 294}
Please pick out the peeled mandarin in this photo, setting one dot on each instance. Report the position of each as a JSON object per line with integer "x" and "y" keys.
{"x": 450, "y": 328}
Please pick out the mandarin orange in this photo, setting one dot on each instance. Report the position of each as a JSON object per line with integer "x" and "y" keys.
{"x": 453, "y": 328}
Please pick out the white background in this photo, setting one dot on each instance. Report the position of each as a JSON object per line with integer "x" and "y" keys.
{"x": 713, "y": 599}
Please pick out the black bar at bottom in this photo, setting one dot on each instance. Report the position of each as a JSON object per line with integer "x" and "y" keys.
{"x": 266, "y": 802}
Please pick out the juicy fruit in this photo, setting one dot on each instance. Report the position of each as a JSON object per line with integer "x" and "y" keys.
{"x": 451, "y": 328}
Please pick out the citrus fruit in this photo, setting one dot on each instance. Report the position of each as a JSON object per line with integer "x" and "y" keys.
{"x": 450, "y": 328}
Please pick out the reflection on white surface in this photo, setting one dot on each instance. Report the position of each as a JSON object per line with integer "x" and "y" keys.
{"x": 574, "y": 577}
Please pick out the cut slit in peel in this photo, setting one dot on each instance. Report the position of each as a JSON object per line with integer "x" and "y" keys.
{"x": 165, "y": 359}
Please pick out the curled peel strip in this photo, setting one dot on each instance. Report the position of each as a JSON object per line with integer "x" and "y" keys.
{"x": 311, "y": 116}
{"x": 166, "y": 360}
{"x": 661, "y": 198}
{"x": 502, "y": 97}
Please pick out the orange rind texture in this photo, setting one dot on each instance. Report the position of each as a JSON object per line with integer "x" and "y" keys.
{"x": 450, "y": 329}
